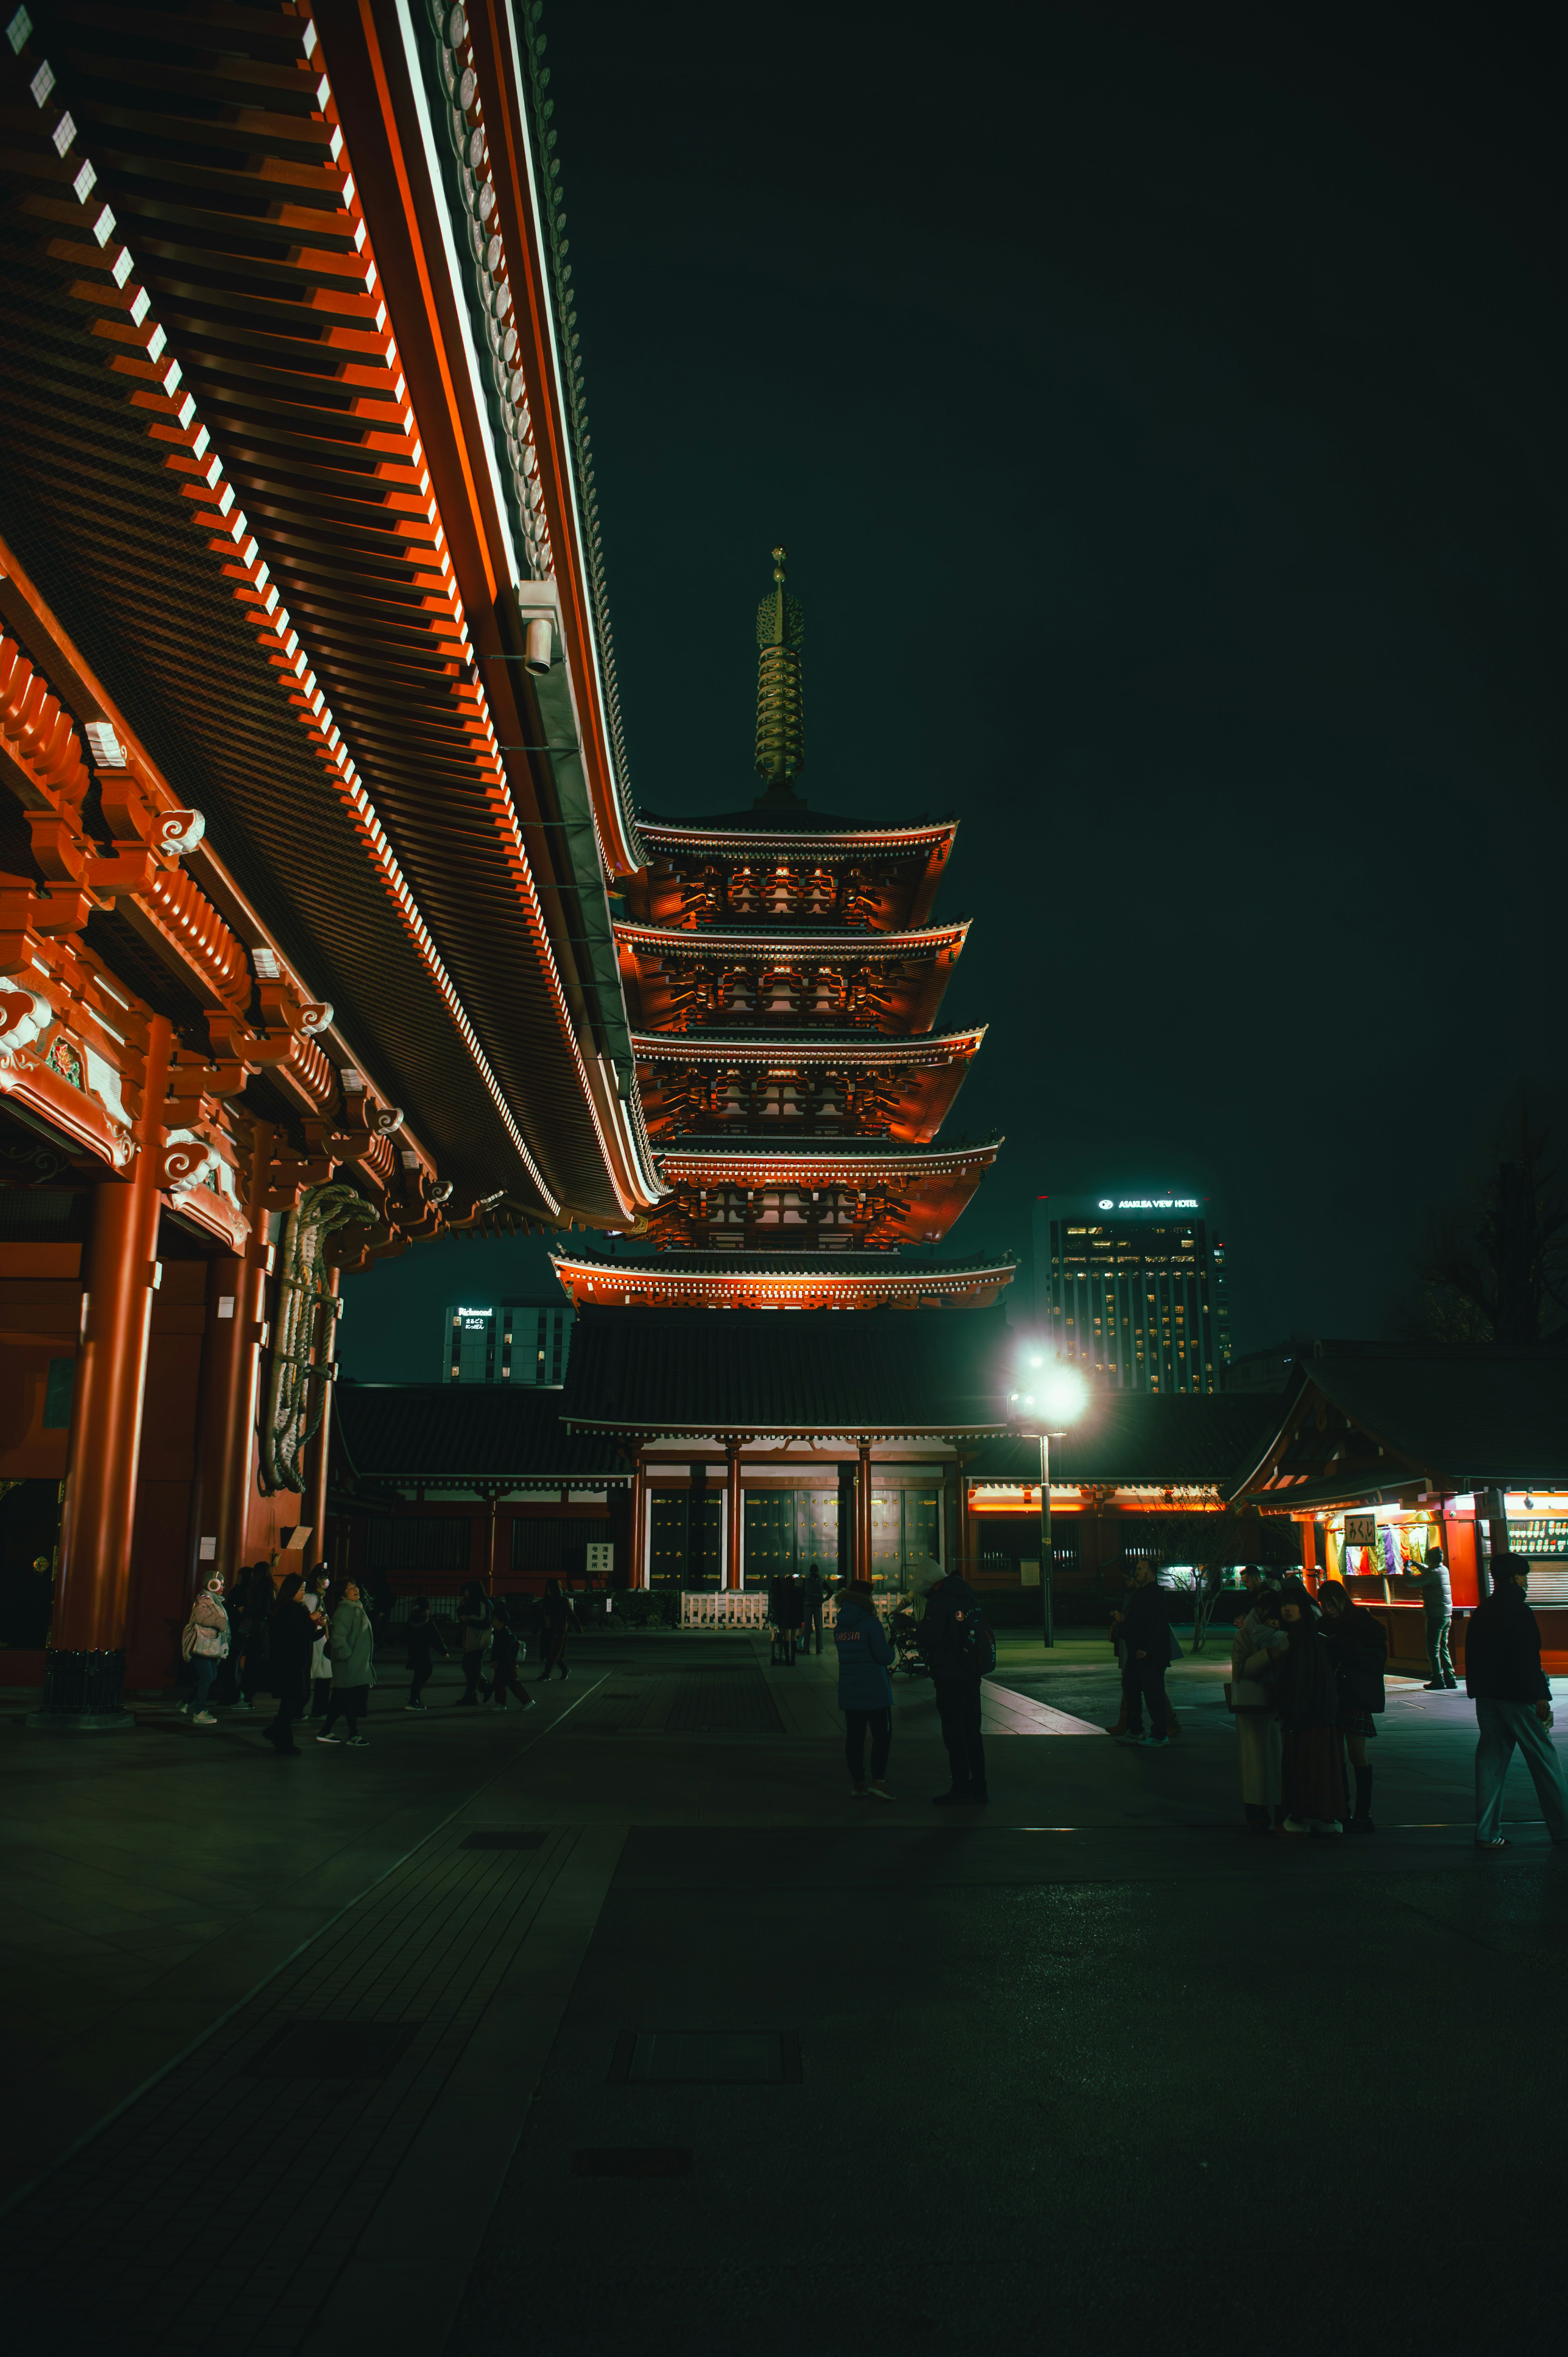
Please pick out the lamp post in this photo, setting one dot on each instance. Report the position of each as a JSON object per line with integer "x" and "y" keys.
{"x": 1057, "y": 1395}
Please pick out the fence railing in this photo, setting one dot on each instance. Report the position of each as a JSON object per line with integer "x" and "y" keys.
{"x": 746, "y": 1608}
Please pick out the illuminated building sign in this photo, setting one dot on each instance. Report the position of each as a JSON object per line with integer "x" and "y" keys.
{"x": 1149, "y": 1203}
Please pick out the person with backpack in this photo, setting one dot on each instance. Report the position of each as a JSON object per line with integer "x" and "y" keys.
{"x": 956, "y": 1640}
{"x": 205, "y": 1644}
{"x": 865, "y": 1690}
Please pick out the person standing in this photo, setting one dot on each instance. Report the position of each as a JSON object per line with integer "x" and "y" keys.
{"x": 954, "y": 1639}
{"x": 351, "y": 1647}
{"x": 1359, "y": 1644}
{"x": 424, "y": 1639}
{"x": 505, "y": 1644}
{"x": 260, "y": 1598}
{"x": 560, "y": 1618}
{"x": 1259, "y": 1642}
{"x": 474, "y": 1621}
{"x": 291, "y": 1636}
{"x": 1437, "y": 1603}
{"x": 775, "y": 1618}
{"x": 1146, "y": 1651}
{"x": 315, "y": 1600}
{"x": 1504, "y": 1678}
{"x": 205, "y": 1644}
{"x": 865, "y": 1690}
{"x": 1308, "y": 1700}
{"x": 814, "y": 1596}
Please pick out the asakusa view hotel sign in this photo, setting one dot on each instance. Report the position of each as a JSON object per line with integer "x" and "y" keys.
{"x": 1149, "y": 1203}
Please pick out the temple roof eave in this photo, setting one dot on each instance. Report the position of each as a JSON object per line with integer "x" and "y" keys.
{"x": 825, "y": 941}
{"x": 709, "y": 1046}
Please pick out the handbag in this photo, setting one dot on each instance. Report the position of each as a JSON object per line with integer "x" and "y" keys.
{"x": 1245, "y": 1693}
{"x": 211, "y": 1644}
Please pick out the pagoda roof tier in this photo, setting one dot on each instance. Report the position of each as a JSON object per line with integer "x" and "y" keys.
{"x": 853, "y": 1083}
{"x": 694, "y": 1280}
{"x": 859, "y": 1194}
{"x": 885, "y": 982}
{"x": 772, "y": 825}
{"x": 834, "y": 872}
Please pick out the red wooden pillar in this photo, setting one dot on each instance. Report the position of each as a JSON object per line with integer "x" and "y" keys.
{"x": 84, "y": 1672}
{"x": 733, "y": 1514}
{"x": 228, "y": 1427}
{"x": 862, "y": 1512}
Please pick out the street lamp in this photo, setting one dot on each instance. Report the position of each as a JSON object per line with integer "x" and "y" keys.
{"x": 1057, "y": 1394}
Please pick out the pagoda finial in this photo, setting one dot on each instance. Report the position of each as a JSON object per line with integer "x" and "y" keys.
{"x": 781, "y": 700}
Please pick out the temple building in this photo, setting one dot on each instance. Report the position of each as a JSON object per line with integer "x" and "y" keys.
{"x": 784, "y": 974}
{"x": 312, "y": 782}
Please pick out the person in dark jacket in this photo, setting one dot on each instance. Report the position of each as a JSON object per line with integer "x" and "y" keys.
{"x": 425, "y": 1638}
{"x": 1359, "y": 1644}
{"x": 260, "y": 1598}
{"x": 558, "y": 1616}
{"x": 956, "y": 1676}
{"x": 1438, "y": 1605}
{"x": 865, "y": 1690}
{"x": 791, "y": 1615}
{"x": 1145, "y": 1640}
{"x": 291, "y": 1639}
{"x": 813, "y": 1593}
{"x": 1513, "y": 1705}
{"x": 505, "y": 1646}
{"x": 474, "y": 1621}
{"x": 1306, "y": 1695}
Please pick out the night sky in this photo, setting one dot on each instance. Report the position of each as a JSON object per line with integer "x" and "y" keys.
{"x": 1164, "y": 419}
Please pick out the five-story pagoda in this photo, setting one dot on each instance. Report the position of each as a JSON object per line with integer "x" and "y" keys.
{"x": 784, "y": 977}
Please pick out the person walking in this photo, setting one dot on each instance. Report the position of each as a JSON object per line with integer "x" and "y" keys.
{"x": 352, "y": 1646}
{"x": 1437, "y": 1603}
{"x": 1259, "y": 1642}
{"x": 505, "y": 1646}
{"x": 290, "y": 1637}
{"x": 956, "y": 1641}
{"x": 775, "y": 1619}
{"x": 1504, "y": 1678}
{"x": 1146, "y": 1646}
{"x": 1359, "y": 1644}
{"x": 558, "y": 1616}
{"x": 425, "y": 1638}
{"x": 865, "y": 1690}
{"x": 791, "y": 1615}
{"x": 813, "y": 1595}
{"x": 1306, "y": 1697}
{"x": 474, "y": 1620}
{"x": 205, "y": 1644}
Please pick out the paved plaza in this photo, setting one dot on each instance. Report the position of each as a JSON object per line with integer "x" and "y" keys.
{"x": 620, "y": 2024}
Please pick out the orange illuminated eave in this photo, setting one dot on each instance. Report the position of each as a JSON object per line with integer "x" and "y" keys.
{"x": 909, "y": 860}
{"x": 668, "y": 1283}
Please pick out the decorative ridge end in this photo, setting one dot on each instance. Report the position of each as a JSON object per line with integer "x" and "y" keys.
{"x": 781, "y": 697}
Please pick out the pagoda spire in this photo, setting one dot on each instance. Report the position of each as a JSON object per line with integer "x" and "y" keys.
{"x": 781, "y": 697}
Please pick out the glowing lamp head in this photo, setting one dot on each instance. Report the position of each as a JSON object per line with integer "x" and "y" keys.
{"x": 1057, "y": 1395}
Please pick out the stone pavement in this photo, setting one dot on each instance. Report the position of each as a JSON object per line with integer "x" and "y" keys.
{"x": 620, "y": 2022}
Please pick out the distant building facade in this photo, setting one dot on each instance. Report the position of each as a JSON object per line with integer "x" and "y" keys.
{"x": 507, "y": 1342}
{"x": 1132, "y": 1287}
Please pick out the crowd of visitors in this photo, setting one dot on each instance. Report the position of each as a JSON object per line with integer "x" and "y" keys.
{"x": 1306, "y": 1683}
{"x": 311, "y": 1644}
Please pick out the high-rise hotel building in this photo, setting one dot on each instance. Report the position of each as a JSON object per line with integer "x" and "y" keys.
{"x": 1132, "y": 1287}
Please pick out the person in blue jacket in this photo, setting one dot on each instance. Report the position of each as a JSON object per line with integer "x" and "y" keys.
{"x": 865, "y": 1690}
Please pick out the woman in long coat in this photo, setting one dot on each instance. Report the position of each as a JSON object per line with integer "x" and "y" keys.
{"x": 291, "y": 1634}
{"x": 1359, "y": 1644}
{"x": 352, "y": 1648}
{"x": 1306, "y": 1697}
{"x": 558, "y": 1616}
{"x": 1259, "y": 1642}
